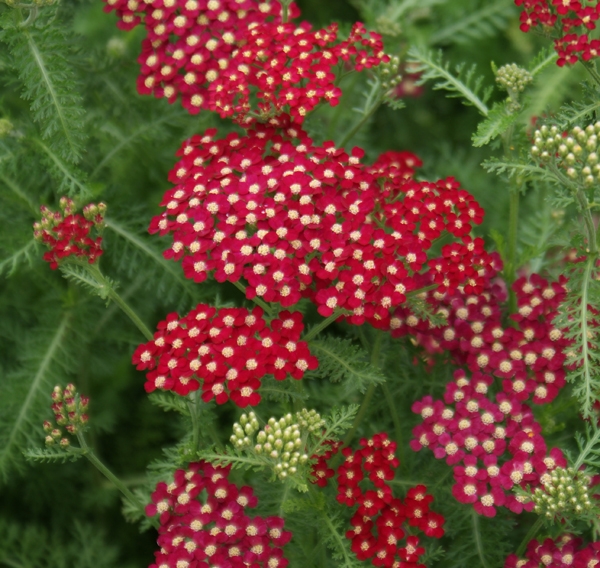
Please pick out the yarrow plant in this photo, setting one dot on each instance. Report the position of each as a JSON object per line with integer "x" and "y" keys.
{"x": 327, "y": 336}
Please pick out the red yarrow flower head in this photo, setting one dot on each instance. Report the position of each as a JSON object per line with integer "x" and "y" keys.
{"x": 203, "y": 517}
{"x": 292, "y": 220}
{"x": 68, "y": 234}
{"x": 225, "y": 352}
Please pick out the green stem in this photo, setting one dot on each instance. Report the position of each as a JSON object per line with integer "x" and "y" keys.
{"x": 192, "y": 405}
{"x": 368, "y": 395}
{"x": 361, "y": 414}
{"x": 324, "y": 324}
{"x": 256, "y": 299}
{"x": 112, "y": 294}
{"x": 478, "y": 541}
{"x": 374, "y": 99}
{"x": 395, "y": 419}
{"x": 91, "y": 456}
{"x": 286, "y": 490}
{"x": 338, "y": 539}
{"x": 589, "y": 222}
{"x": 529, "y": 536}
{"x": 511, "y": 253}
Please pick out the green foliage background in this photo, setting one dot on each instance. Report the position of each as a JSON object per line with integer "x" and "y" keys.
{"x": 80, "y": 129}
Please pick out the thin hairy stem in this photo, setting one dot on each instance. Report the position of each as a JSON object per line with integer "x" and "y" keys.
{"x": 97, "y": 463}
{"x": 323, "y": 325}
{"x": 529, "y": 536}
{"x": 256, "y": 299}
{"x": 374, "y": 100}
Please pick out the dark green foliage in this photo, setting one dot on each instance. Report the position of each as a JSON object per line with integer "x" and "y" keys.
{"x": 38, "y": 547}
{"x": 341, "y": 360}
{"x": 40, "y": 55}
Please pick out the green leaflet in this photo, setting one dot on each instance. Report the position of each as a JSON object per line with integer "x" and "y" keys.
{"x": 341, "y": 360}
{"x": 497, "y": 121}
{"x": 462, "y": 83}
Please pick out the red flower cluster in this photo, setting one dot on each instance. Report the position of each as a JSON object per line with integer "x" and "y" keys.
{"x": 494, "y": 446}
{"x": 379, "y": 511}
{"x": 565, "y": 551}
{"x": 67, "y": 233}
{"x": 225, "y": 351}
{"x": 203, "y": 523}
{"x": 528, "y": 358}
{"x": 564, "y": 16}
{"x": 216, "y": 54}
{"x": 321, "y": 471}
{"x": 291, "y": 69}
{"x": 298, "y": 220}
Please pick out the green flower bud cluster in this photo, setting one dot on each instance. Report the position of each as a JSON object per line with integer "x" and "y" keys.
{"x": 69, "y": 412}
{"x": 243, "y": 430}
{"x": 310, "y": 420}
{"x": 513, "y": 79}
{"x": 281, "y": 443}
{"x": 389, "y": 75}
{"x": 565, "y": 492}
{"x": 576, "y": 153}
{"x": 387, "y": 26}
{"x": 281, "y": 440}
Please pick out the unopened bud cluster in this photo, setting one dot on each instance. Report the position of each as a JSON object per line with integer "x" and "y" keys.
{"x": 577, "y": 153}
{"x": 280, "y": 441}
{"x": 390, "y": 74}
{"x": 565, "y": 492}
{"x": 69, "y": 413}
{"x": 67, "y": 233}
{"x": 310, "y": 420}
{"x": 513, "y": 79}
{"x": 243, "y": 430}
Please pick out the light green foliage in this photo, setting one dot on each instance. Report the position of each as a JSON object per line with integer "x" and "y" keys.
{"x": 576, "y": 316}
{"x": 463, "y": 82}
{"x": 498, "y": 120}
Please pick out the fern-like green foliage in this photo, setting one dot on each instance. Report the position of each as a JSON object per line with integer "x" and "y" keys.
{"x": 333, "y": 532}
{"x": 169, "y": 401}
{"x": 589, "y": 448}
{"x": 580, "y": 322}
{"x": 35, "y": 546}
{"x": 463, "y": 82}
{"x": 134, "y": 251}
{"x": 498, "y": 120}
{"x": 45, "y": 358}
{"x": 92, "y": 281}
{"x": 341, "y": 360}
{"x": 42, "y": 61}
{"x": 482, "y": 20}
{"x": 53, "y": 455}
{"x": 469, "y": 533}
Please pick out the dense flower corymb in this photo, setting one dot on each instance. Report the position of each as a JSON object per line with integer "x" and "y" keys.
{"x": 382, "y": 524}
{"x": 221, "y": 54}
{"x": 225, "y": 351}
{"x": 203, "y": 522}
{"x": 297, "y": 220}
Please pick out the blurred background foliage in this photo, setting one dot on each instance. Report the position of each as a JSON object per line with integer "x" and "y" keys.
{"x": 52, "y": 332}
